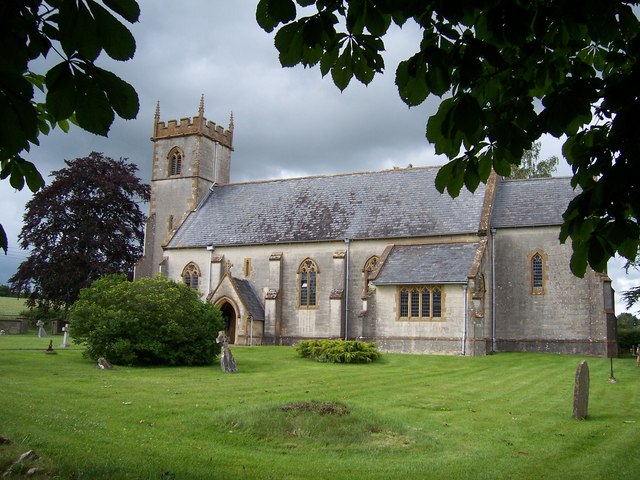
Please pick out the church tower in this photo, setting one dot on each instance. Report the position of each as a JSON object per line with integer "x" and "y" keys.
{"x": 189, "y": 156}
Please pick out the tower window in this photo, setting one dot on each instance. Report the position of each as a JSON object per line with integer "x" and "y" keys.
{"x": 175, "y": 162}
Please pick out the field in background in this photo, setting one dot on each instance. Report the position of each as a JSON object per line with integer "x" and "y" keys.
{"x": 282, "y": 417}
{"x": 11, "y": 306}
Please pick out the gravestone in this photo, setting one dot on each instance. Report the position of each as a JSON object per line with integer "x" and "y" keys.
{"x": 41, "y": 332}
{"x": 65, "y": 336}
{"x": 581, "y": 391}
{"x": 227, "y": 362}
{"x": 103, "y": 364}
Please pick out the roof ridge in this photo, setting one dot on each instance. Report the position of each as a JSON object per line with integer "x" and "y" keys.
{"x": 331, "y": 175}
{"x": 514, "y": 180}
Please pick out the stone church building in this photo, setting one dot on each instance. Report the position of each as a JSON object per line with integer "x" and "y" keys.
{"x": 377, "y": 256}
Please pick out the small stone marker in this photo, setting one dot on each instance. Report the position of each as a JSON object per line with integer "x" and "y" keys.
{"x": 50, "y": 350}
{"x": 227, "y": 362}
{"x": 581, "y": 391}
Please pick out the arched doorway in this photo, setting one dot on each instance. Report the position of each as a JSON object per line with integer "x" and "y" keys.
{"x": 230, "y": 316}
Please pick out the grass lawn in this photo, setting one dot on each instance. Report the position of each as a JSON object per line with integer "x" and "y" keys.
{"x": 11, "y": 305}
{"x": 405, "y": 417}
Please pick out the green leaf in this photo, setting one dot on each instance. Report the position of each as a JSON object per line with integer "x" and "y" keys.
{"x": 330, "y": 57}
{"x": 342, "y": 71}
{"x": 61, "y": 91}
{"x": 88, "y": 38}
{"x": 93, "y": 111}
{"x": 127, "y": 9}
{"x": 376, "y": 22}
{"x": 578, "y": 261}
{"x": 19, "y": 125}
{"x": 451, "y": 177}
{"x": 485, "y": 166}
{"x": 270, "y": 13}
{"x": 122, "y": 96}
{"x": 471, "y": 175}
{"x": 4, "y": 242}
{"x": 467, "y": 117}
{"x": 18, "y": 170}
{"x": 117, "y": 40}
{"x": 411, "y": 81}
{"x": 290, "y": 44}
{"x": 442, "y": 132}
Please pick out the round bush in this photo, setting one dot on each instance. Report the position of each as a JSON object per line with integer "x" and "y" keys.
{"x": 152, "y": 321}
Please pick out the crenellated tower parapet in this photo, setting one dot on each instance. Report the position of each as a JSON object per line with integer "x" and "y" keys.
{"x": 197, "y": 125}
{"x": 194, "y": 126}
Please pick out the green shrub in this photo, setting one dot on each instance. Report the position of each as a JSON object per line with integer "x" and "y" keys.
{"x": 338, "y": 351}
{"x": 626, "y": 338}
{"x": 152, "y": 321}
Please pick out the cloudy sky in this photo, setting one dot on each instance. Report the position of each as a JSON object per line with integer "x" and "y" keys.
{"x": 288, "y": 122}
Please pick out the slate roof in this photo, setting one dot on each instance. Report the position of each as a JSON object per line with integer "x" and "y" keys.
{"x": 533, "y": 202}
{"x": 249, "y": 298}
{"x": 388, "y": 204}
{"x": 423, "y": 264}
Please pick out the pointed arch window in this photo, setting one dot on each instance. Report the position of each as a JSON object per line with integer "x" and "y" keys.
{"x": 370, "y": 265}
{"x": 191, "y": 276}
{"x": 537, "y": 272}
{"x": 308, "y": 283}
{"x": 175, "y": 162}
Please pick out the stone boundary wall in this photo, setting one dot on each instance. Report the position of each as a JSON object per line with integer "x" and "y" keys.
{"x": 12, "y": 324}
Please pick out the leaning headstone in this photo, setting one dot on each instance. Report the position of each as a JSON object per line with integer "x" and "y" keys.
{"x": 41, "y": 332}
{"x": 581, "y": 391}
{"x": 104, "y": 364}
{"x": 227, "y": 362}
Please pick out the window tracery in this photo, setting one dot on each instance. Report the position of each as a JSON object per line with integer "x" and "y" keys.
{"x": 191, "y": 276}
{"x": 175, "y": 162}
{"x": 308, "y": 283}
{"x": 421, "y": 303}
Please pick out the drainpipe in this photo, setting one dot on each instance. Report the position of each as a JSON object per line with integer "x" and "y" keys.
{"x": 210, "y": 249}
{"x": 464, "y": 325}
{"x": 493, "y": 290}
{"x": 346, "y": 291}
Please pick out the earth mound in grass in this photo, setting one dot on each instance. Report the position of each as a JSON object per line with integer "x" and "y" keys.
{"x": 318, "y": 424}
{"x": 316, "y": 406}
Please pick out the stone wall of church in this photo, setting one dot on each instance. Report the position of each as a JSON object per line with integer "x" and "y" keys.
{"x": 566, "y": 316}
{"x": 373, "y": 320}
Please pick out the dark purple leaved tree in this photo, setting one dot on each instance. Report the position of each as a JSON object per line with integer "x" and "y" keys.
{"x": 85, "y": 224}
